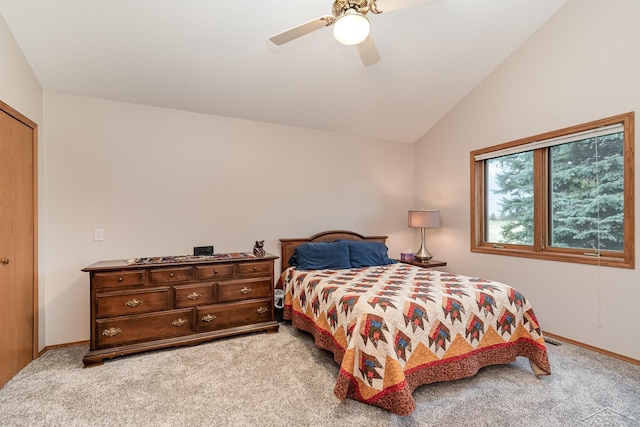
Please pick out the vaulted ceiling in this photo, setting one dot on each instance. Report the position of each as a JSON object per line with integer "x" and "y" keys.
{"x": 215, "y": 57}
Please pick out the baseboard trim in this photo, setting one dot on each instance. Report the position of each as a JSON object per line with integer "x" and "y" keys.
{"x": 545, "y": 333}
{"x": 65, "y": 345}
{"x": 592, "y": 348}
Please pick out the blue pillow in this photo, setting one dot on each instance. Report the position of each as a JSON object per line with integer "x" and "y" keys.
{"x": 363, "y": 253}
{"x": 321, "y": 256}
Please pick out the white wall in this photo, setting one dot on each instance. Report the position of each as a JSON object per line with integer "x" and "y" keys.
{"x": 20, "y": 89}
{"x": 161, "y": 181}
{"x": 583, "y": 65}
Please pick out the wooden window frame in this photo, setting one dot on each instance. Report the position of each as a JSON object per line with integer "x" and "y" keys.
{"x": 541, "y": 249}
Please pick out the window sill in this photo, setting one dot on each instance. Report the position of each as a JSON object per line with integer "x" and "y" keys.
{"x": 550, "y": 255}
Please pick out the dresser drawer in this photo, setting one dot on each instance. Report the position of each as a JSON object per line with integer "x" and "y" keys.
{"x": 223, "y": 316}
{"x": 192, "y": 295}
{"x": 258, "y": 268}
{"x": 214, "y": 271}
{"x": 118, "y": 279}
{"x": 237, "y": 290}
{"x": 178, "y": 274}
{"x": 110, "y": 304}
{"x": 143, "y": 327}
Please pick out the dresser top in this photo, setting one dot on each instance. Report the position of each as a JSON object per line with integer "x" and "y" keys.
{"x": 175, "y": 260}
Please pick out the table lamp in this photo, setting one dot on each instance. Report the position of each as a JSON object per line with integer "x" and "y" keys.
{"x": 424, "y": 219}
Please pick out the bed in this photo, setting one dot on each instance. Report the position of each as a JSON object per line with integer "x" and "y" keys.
{"x": 393, "y": 326}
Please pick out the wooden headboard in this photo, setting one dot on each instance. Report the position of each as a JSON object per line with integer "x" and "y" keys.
{"x": 290, "y": 245}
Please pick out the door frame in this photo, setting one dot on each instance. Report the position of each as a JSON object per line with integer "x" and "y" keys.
{"x": 36, "y": 306}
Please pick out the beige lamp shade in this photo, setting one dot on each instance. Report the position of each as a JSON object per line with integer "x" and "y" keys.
{"x": 424, "y": 219}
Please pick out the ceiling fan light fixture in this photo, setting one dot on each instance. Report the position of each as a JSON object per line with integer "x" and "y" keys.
{"x": 351, "y": 28}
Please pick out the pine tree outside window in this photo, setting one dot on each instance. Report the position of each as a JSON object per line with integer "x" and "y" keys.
{"x": 565, "y": 195}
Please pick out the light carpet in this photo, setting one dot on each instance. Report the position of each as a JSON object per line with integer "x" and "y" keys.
{"x": 284, "y": 380}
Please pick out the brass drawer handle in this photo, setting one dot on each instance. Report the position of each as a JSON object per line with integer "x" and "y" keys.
{"x": 208, "y": 318}
{"x": 5, "y": 261}
{"x": 133, "y": 302}
{"x": 262, "y": 310}
{"x": 193, "y": 296}
{"x": 215, "y": 271}
{"x": 255, "y": 268}
{"x": 245, "y": 290}
{"x": 120, "y": 279}
{"x": 170, "y": 274}
{"x": 111, "y": 331}
{"x": 179, "y": 322}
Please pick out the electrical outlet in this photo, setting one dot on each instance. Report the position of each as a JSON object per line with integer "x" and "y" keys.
{"x": 98, "y": 234}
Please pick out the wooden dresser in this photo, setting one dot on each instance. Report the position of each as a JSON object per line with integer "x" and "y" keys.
{"x": 141, "y": 307}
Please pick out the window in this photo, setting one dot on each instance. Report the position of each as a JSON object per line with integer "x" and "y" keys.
{"x": 565, "y": 195}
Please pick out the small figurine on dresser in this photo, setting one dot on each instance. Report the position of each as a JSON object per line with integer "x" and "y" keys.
{"x": 258, "y": 249}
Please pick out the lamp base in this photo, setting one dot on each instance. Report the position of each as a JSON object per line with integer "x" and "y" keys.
{"x": 422, "y": 255}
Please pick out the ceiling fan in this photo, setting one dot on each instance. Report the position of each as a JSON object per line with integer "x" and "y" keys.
{"x": 350, "y": 25}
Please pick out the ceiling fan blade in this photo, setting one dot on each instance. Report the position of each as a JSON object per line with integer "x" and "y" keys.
{"x": 301, "y": 30}
{"x": 368, "y": 52}
{"x": 391, "y": 5}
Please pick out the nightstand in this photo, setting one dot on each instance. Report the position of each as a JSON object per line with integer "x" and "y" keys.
{"x": 426, "y": 264}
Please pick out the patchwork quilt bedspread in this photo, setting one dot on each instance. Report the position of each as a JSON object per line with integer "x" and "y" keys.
{"x": 392, "y": 328}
